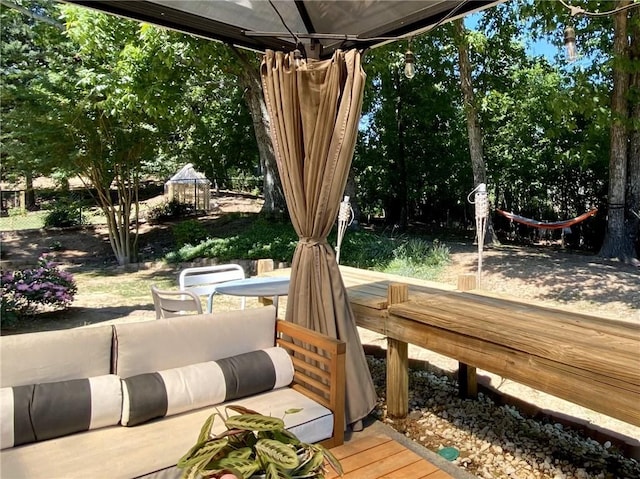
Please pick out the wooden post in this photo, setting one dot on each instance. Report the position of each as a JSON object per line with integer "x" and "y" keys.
{"x": 264, "y": 266}
{"x": 397, "y": 361}
{"x": 467, "y": 379}
{"x": 467, "y": 282}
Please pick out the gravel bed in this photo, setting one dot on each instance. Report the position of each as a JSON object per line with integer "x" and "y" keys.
{"x": 494, "y": 441}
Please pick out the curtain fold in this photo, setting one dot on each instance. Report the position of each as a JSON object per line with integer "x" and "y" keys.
{"x": 314, "y": 111}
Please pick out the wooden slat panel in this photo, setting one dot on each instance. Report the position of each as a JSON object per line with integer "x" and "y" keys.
{"x": 303, "y": 352}
{"x": 301, "y": 365}
{"x": 416, "y": 469}
{"x": 355, "y": 447}
{"x": 352, "y": 464}
{"x": 383, "y": 466}
{"x": 321, "y": 387}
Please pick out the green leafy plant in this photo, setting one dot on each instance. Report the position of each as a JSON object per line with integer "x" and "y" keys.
{"x": 63, "y": 215}
{"x": 254, "y": 445}
{"x": 189, "y": 232}
{"x": 169, "y": 210}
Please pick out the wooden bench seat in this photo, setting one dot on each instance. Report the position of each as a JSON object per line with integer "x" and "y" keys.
{"x": 590, "y": 361}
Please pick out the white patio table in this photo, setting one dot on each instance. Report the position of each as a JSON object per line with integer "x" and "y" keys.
{"x": 257, "y": 286}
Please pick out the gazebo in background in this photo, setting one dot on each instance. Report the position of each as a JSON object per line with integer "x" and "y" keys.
{"x": 189, "y": 187}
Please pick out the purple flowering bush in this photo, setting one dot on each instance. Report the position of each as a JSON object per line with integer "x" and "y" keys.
{"x": 23, "y": 291}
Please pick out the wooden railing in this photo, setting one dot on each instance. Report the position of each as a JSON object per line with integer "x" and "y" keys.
{"x": 588, "y": 360}
{"x": 585, "y": 359}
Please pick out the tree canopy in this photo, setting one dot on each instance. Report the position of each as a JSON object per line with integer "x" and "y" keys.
{"x": 115, "y": 101}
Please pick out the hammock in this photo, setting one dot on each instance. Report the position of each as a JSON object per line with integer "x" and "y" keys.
{"x": 552, "y": 225}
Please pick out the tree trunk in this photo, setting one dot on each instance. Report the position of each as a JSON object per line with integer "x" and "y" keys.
{"x": 401, "y": 213}
{"x": 633, "y": 170}
{"x": 274, "y": 202}
{"x": 617, "y": 244}
{"x": 29, "y": 192}
{"x": 473, "y": 126}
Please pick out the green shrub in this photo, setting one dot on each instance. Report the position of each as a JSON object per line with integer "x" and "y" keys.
{"x": 260, "y": 239}
{"x": 364, "y": 249}
{"x": 189, "y": 232}
{"x": 63, "y": 215}
{"x": 401, "y": 255}
{"x": 169, "y": 210}
{"x": 418, "y": 258}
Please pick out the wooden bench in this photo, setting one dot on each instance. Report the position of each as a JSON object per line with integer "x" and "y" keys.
{"x": 587, "y": 360}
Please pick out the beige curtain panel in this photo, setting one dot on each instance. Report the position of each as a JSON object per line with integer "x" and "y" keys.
{"x": 314, "y": 110}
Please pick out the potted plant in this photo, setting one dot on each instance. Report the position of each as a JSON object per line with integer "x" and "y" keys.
{"x": 254, "y": 446}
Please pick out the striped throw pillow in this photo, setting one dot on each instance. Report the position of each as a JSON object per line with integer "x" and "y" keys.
{"x": 43, "y": 411}
{"x": 173, "y": 391}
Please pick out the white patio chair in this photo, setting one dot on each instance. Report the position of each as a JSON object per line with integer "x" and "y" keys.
{"x": 173, "y": 303}
{"x": 202, "y": 280}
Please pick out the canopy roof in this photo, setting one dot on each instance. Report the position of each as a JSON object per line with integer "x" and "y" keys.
{"x": 188, "y": 174}
{"x": 283, "y": 24}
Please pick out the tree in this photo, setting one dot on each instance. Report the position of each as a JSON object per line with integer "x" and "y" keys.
{"x": 410, "y": 159}
{"x": 615, "y": 242}
{"x": 249, "y": 75}
{"x": 30, "y": 36}
{"x": 98, "y": 105}
{"x": 604, "y": 38}
{"x": 474, "y": 131}
{"x": 633, "y": 194}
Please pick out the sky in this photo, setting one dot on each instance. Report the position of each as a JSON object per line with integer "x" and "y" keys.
{"x": 537, "y": 48}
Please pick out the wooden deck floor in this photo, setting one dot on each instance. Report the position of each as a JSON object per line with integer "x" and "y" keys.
{"x": 378, "y": 456}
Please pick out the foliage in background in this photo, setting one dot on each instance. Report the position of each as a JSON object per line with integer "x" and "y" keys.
{"x": 122, "y": 100}
{"x": 261, "y": 239}
{"x": 545, "y": 125}
{"x": 189, "y": 232}
{"x": 411, "y": 159}
{"x": 64, "y": 214}
{"x": 24, "y": 291}
{"x": 405, "y": 255}
{"x": 112, "y": 100}
{"x": 169, "y": 210}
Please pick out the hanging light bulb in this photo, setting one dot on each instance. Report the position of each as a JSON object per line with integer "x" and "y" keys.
{"x": 409, "y": 64}
{"x": 570, "y": 44}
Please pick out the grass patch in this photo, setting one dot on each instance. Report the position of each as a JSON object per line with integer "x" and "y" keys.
{"x": 22, "y": 220}
{"x": 402, "y": 255}
{"x": 19, "y": 219}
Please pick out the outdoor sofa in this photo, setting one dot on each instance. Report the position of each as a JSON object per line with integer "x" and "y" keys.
{"x": 67, "y": 395}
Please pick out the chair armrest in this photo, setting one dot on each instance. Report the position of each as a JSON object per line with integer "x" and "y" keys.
{"x": 319, "y": 363}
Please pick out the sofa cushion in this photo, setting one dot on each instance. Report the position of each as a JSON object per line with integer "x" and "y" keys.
{"x": 51, "y": 356}
{"x": 37, "y": 412}
{"x": 173, "y": 391}
{"x": 152, "y": 346}
{"x": 134, "y": 451}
